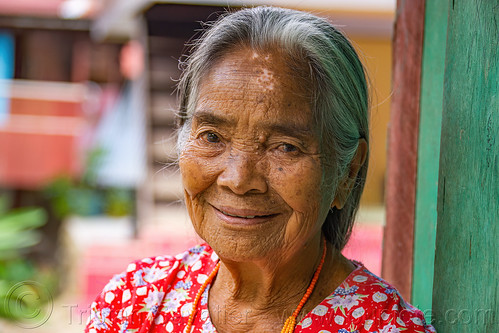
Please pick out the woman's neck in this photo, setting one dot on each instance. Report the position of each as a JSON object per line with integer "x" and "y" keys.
{"x": 269, "y": 290}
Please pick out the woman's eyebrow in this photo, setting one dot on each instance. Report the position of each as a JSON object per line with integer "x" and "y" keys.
{"x": 292, "y": 130}
{"x": 209, "y": 118}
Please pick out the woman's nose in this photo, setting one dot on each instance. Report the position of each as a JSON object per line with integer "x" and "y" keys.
{"x": 241, "y": 174}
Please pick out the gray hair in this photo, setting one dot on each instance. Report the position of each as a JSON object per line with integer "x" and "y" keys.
{"x": 339, "y": 97}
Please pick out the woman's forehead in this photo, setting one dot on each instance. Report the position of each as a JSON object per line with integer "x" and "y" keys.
{"x": 255, "y": 96}
{"x": 265, "y": 72}
{"x": 266, "y": 65}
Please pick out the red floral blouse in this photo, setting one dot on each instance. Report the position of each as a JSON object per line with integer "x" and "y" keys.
{"x": 156, "y": 295}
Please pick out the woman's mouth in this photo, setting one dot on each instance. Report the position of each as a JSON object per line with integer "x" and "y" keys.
{"x": 245, "y": 217}
{"x": 242, "y": 216}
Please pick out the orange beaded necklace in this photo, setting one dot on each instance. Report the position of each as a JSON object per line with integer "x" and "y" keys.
{"x": 198, "y": 297}
{"x": 289, "y": 325}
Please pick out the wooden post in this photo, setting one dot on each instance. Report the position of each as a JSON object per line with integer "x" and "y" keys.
{"x": 430, "y": 122}
{"x": 402, "y": 146}
{"x": 466, "y": 288}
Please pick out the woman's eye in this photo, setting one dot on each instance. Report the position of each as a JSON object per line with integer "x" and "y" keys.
{"x": 288, "y": 148}
{"x": 211, "y": 137}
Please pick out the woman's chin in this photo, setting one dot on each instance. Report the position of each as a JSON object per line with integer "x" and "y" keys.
{"x": 250, "y": 244}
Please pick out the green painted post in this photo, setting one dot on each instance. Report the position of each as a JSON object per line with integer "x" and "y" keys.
{"x": 466, "y": 283}
{"x": 430, "y": 122}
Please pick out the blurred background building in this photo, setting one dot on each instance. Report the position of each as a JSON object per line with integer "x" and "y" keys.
{"x": 87, "y": 107}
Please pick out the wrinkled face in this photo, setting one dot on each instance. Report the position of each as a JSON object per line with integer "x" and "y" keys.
{"x": 251, "y": 168}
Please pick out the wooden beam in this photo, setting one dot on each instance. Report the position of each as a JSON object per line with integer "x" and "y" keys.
{"x": 466, "y": 289}
{"x": 402, "y": 146}
{"x": 42, "y": 23}
{"x": 430, "y": 123}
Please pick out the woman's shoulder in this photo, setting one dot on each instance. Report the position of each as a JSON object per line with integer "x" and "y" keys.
{"x": 136, "y": 293}
{"x": 364, "y": 302}
{"x": 189, "y": 259}
{"x": 152, "y": 270}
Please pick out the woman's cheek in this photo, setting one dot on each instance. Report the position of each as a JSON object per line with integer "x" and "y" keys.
{"x": 198, "y": 173}
{"x": 299, "y": 185}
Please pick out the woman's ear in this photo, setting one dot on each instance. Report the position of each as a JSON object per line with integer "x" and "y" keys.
{"x": 347, "y": 183}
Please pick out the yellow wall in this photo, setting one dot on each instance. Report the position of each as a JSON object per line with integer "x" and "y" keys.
{"x": 376, "y": 55}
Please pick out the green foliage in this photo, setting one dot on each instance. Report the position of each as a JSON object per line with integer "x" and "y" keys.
{"x": 84, "y": 197}
{"x": 17, "y": 229}
{"x": 118, "y": 202}
{"x": 17, "y": 233}
{"x": 94, "y": 158}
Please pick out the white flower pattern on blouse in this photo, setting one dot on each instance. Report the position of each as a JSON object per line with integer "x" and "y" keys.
{"x": 156, "y": 295}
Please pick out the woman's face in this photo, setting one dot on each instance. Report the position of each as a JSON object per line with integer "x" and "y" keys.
{"x": 252, "y": 168}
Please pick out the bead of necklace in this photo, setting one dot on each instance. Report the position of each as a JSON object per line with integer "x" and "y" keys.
{"x": 198, "y": 297}
{"x": 289, "y": 325}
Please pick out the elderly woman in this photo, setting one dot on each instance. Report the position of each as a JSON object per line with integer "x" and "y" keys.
{"x": 273, "y": 145}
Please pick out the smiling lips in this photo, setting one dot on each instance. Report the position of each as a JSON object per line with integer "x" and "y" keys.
{"x": 242, "y": 216}
{"x": 245, "y": 217}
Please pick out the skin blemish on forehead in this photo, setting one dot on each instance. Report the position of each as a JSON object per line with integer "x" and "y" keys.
{"x": 254, "y": 55}
{"x": 266, "y": 79}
